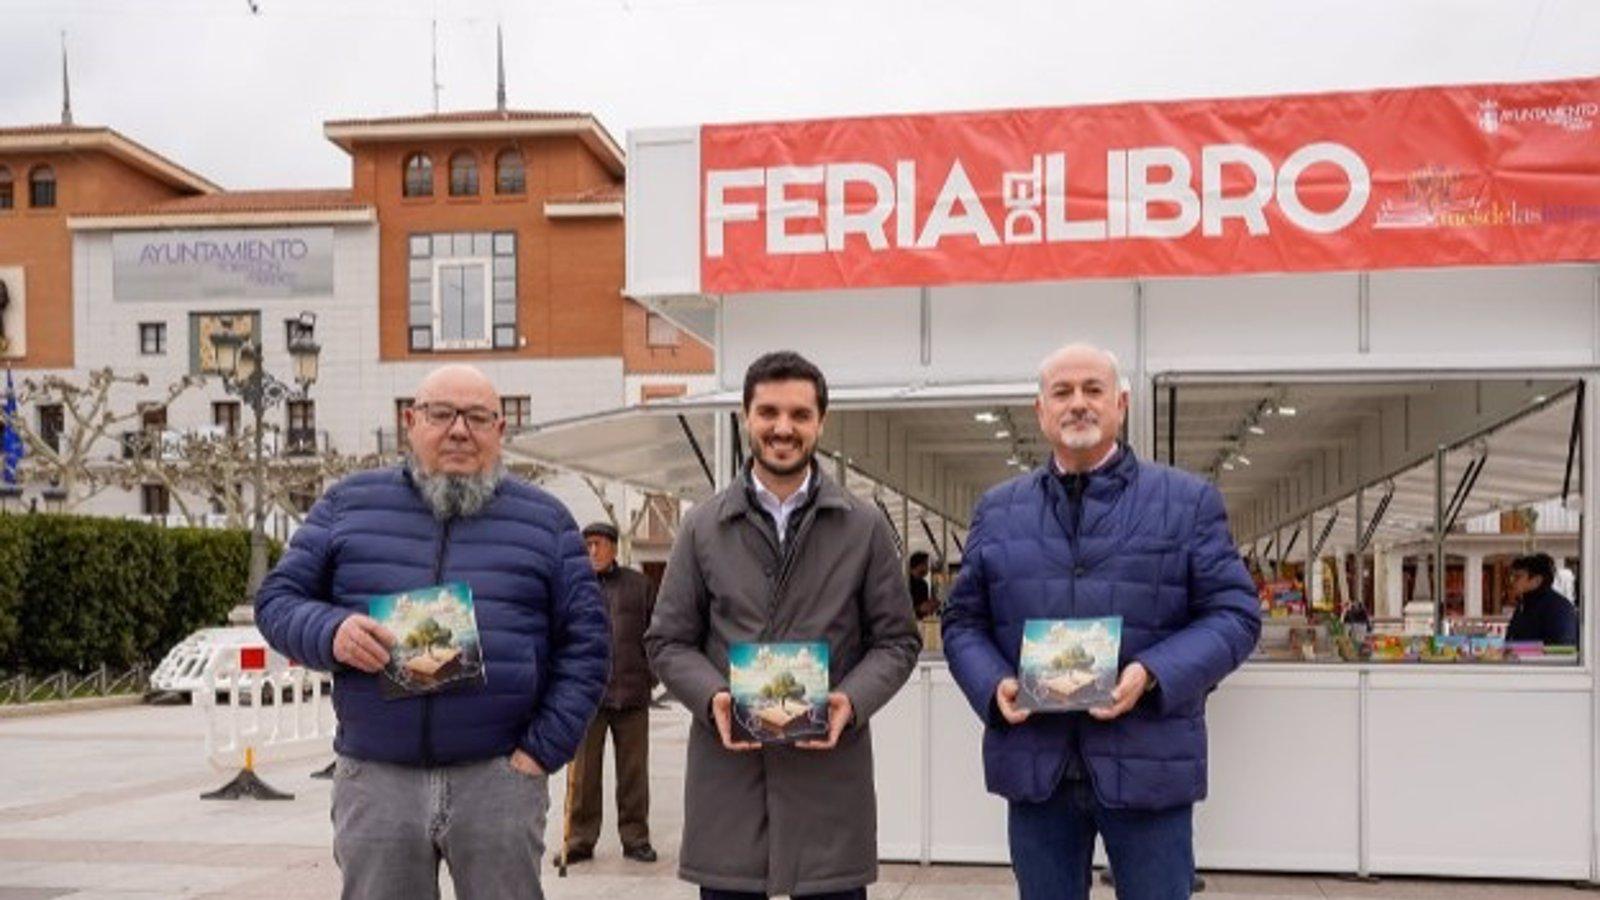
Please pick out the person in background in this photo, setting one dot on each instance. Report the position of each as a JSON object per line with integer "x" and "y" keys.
{"x": 625, "y": 711}
{"x": 1542, "y": 614}
{"x": 923, "y": 603}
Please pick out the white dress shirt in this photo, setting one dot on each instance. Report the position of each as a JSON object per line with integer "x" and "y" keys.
{"x": 781, "y": 510}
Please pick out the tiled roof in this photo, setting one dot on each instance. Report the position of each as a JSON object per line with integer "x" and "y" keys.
{"x": 485, "y": 115}
{"x": 246, "y": 202}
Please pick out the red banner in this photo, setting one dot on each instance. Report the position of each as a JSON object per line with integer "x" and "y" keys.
{"x": 1447, "y": 176}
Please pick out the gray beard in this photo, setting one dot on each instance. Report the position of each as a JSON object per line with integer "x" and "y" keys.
{"x": 456, "y": 496}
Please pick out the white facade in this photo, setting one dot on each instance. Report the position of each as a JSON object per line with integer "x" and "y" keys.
{"x": 355, "y": 395}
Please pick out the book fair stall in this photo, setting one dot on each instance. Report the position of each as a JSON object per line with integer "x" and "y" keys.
{"x": 1371, "y": 318}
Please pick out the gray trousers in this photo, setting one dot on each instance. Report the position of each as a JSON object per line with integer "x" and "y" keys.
{"x": 392, "y": 824}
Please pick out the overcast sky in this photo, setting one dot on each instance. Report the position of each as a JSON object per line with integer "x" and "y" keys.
{"x": 241, "y": 97}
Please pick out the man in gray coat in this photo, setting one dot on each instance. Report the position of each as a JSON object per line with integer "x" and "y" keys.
{"x": 782, "y": 554}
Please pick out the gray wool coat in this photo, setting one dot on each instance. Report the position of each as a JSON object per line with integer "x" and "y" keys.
{"x": 782, "y": 820}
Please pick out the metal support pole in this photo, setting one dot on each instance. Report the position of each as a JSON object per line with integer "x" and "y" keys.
{"x": 1358, "y": 588}
{"x": 1438, "y": 540}
{"x": 258, "y": 537}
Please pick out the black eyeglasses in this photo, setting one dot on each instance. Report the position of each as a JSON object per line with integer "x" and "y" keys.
{"x": 443, "y": 415}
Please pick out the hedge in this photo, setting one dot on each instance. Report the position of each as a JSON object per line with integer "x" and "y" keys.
{"x": 78, "y": 592}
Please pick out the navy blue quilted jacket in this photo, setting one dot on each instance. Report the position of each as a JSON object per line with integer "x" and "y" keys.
{"x": 541, "y": 621}
{"x": 1152, "y": 546}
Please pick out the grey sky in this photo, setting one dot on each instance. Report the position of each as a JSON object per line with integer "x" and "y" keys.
{"x": 241, "y": 98}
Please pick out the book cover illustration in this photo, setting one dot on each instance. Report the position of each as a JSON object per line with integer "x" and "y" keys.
{"x": 436, "y": 640}
{"x": 1068, "y": 664}
{"x": 780, "y": 691}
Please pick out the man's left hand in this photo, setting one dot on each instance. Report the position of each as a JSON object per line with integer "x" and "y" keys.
{"x": 839, "y": 714}
{"x": 1133, "y": 684}
{"x": 525, "y": 764}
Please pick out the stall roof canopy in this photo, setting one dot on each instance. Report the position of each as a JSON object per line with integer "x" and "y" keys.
{"x": 948, "y": 430}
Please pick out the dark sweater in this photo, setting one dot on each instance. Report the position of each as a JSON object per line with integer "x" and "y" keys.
{"x": 1544, "y": 615}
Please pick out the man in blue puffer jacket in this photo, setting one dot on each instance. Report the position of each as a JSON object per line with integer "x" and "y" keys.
{"x": 455, "y": 776}
{"x": 1097, "y": 532}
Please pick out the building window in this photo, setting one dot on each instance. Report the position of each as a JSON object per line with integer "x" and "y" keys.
{"x": 659, "y": 331}
{"x": 154, "y": 500}
{"x": 464, "y": 174}
{"x": 419, "y": 176}
{"x": 7, "y": 198}
{"x": 225, "y": 415}
{"x": 401, "y": 444}
{"x": 509, "y": 177}
{"x": 460, "y": 312}
{"x": 52, "y": 423}
{"x": 42, "y": 187}
{"x": 302, "y": 427}
{"x": 462, "y": 291}
{"x": 517, "y": 411}
{"x": 152, "y": 338}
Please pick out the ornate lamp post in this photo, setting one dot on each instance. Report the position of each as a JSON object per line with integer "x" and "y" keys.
{"x": 239, "y": 361}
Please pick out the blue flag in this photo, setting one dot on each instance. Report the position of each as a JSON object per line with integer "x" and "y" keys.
{"x": 10, "y": 439}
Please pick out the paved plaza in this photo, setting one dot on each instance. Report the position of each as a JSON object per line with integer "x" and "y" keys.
{"x": 104, "y": 804}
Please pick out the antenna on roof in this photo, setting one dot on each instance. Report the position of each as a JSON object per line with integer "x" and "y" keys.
{"x": 66, "y": 85}
{"x": 500, "y": 61}
{"x": 436, "y": 84}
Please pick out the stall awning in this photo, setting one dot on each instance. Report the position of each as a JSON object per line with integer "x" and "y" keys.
{"x": 948, "y": 449}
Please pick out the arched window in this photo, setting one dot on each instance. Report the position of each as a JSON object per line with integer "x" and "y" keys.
{"x": 7, "y": 199}
{"x": 42, "y": 187}
{"x": 419, "y": 176}
{"x": 464, "y": 174}
{"x": 508, "y": 173}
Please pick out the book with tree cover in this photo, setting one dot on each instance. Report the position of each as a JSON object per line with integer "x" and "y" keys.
{"x": 1068, "y": 665}
{"x": 780, "y": 691}
{"x": 436, "y": 640}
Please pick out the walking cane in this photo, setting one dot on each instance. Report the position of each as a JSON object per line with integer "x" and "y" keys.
{"x": 566, "y": 817}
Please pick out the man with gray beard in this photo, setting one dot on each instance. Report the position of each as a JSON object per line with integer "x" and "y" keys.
{"x": 458, "y": 776}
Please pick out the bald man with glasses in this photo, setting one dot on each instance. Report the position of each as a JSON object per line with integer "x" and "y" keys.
{"x": 461, "y": 776}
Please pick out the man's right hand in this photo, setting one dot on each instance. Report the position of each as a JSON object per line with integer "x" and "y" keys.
{"x": 361, "y": 643}
{"x": 1005, "y": 696}
{"x": 722, "y": 714}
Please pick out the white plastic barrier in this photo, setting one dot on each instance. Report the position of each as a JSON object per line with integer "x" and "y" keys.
{"x": 260, "y": 706}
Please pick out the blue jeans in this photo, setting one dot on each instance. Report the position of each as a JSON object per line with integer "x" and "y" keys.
{"x": 1052, "y": 847}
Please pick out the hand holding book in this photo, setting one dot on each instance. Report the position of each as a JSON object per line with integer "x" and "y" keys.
{"x": 840, "y": 711}
{"x": 1133, "y": 684}
{"x": 361, "y": 643}
{"x": 722, "y": 714}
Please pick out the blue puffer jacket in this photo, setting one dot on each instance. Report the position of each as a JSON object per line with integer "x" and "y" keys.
{"x": 541, "y": 621}
{"x": 1153, "y": 547}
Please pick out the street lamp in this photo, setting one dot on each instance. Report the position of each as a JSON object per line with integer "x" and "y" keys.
{"x": 239, "y": 361}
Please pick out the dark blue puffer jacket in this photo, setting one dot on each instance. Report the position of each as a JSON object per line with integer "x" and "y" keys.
{"x": 541, "y": 620}
{"x": 1153, "y": 547}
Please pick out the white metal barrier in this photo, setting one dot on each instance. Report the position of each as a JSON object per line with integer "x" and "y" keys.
{"x": 260, "y": 706}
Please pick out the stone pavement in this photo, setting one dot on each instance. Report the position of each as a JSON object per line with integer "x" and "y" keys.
{"x": 103, "y": 805}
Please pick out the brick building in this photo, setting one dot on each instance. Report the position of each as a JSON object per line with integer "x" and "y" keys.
{"x": 492, "y": 237}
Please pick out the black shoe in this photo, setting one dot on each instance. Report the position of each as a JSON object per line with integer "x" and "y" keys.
{"x": 579, "y": 854}
{"x": 642, "y": 853}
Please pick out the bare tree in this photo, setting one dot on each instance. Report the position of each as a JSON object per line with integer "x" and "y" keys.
{"x": 72, "y": 461}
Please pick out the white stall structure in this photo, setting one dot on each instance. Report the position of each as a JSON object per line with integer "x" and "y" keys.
{"x": 1380, "y": 383}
